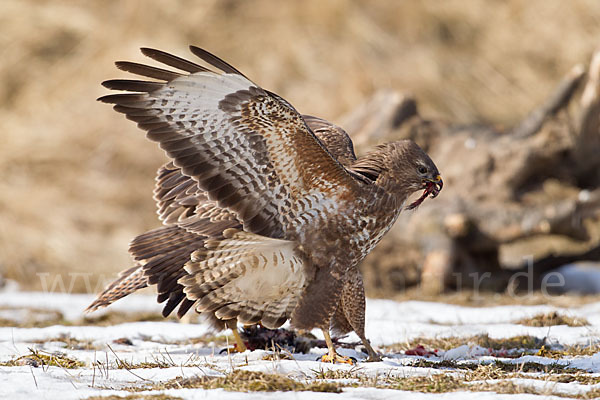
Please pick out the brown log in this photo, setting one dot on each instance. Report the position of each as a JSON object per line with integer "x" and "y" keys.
{"x": 564, "y": 217}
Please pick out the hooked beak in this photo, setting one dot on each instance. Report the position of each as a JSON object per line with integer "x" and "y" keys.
{"x": 437, "y": 186}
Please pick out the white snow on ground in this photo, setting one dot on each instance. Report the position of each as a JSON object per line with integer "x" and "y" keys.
{"x": 168, "y": 343}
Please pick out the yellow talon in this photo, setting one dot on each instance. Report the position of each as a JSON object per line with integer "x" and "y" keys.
{"x": 332, "y": 356}
{"x": 337, "y": 359}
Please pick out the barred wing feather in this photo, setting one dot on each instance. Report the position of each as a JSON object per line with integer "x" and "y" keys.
{"x": 248, "y": 149}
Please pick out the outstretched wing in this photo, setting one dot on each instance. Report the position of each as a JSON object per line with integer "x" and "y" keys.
{"x": 181, "y": 202}
{"x": 248, "y": 149}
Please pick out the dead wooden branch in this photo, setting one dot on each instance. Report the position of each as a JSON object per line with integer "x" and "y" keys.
{"x": 564, "y": 217}
{"x": 558, "y": 100}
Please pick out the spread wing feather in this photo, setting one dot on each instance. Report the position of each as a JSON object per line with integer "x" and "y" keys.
{"x": 181, "y": 202}
{"x": 251, "y": 152}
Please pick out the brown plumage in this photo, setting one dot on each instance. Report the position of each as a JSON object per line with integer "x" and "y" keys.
{"x": 266, "y": 213}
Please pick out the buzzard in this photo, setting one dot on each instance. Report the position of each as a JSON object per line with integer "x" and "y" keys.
{"x": 266, "y": 212}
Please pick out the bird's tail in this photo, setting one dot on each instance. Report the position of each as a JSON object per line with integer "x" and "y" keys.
{"x": 129, "y": 281}
{"x": 160, "y": 255}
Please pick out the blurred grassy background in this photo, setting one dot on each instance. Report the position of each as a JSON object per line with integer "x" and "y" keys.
{"x": 76, "y": 177}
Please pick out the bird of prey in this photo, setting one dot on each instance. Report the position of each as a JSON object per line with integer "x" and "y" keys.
{"x": 266, "y": 212}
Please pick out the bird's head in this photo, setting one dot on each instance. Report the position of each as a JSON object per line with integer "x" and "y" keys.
{"x": 403, "y": 168}
{"x": 419, "y": 172}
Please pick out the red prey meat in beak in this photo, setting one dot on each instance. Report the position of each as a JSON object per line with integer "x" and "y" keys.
{"x": 432, "y": 187}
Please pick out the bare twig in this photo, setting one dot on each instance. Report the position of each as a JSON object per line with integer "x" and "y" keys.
{"x": 33, "y": 375}
{"x": 94, "y": 367}
{"x": 125, "y": 365}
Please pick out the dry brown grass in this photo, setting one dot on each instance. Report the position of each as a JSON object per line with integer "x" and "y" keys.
{"x": 38, "y": 358}
{"x": 76, "y": 178}
{"x": 249, "y": 381}
{"x": 491, "y": 377}
{"x": 551, "y": 319}
{"x": 447, "y": 343}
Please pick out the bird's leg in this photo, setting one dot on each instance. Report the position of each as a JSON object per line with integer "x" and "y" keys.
{"x": 240, "y": 346}
{"x": 373, "y": 356}
{"x": 332, "y": 356}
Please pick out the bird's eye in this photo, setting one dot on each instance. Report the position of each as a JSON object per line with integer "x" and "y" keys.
{"x": 422, "y": 170}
